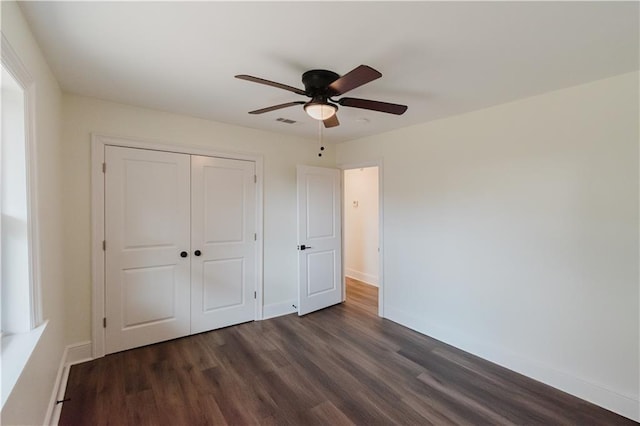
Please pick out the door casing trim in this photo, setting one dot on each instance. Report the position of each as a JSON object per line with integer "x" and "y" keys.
{"x": 98, "y": 144}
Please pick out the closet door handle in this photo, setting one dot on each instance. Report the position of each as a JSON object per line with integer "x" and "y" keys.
{"x": 197, "y": 252}
{"x": 184, "y": 254}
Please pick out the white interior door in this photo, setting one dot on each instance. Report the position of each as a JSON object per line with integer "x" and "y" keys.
{"x": 319, "y": 238}
{"x": 223, "y": 268}
{"x": 147, "y": 224}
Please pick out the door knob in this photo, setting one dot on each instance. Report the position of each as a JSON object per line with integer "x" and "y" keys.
{"x": 184, "y": 254}
{"x": 303, "y": 247}
{"x": 197, "y": 252}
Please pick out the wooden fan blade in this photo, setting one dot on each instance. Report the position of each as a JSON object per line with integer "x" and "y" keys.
{"x": 275, "y": 107}
{"x": 270, "y": 83}
{"x": 373, "y": 105}
{"x": 331, "y": 121}
{"x": 354, "y": 78}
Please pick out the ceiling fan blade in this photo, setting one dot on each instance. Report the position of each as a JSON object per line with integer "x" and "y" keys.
{"x": 270, "y": 83}
{"x": 275, "y": 107}
{"x": 373, "y": 105}
{"x": 354, "y": 78}
{"x": 331, "y": 121}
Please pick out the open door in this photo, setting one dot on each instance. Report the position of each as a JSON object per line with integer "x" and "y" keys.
{"x": 319, "y": 238}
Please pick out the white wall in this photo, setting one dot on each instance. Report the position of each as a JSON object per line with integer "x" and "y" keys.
{"x": 361, "y": 224}
{"x": 512, "y": 233}
{"x": 28, "y": 402}
{"x": 82, "y": 115}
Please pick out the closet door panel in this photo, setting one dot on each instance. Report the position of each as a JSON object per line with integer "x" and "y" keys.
{"x": 223, "y": 216}
{"x": 147, "y": 227}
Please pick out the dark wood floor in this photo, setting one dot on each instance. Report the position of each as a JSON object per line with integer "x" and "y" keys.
{"x": 342, "y": 365}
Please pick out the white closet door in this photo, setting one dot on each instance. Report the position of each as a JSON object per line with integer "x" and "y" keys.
{"x": 223, "y": 268}
{"x": 147, "y": 227}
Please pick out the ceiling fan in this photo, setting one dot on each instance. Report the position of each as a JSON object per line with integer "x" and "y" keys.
{"x": 321, "y": 86}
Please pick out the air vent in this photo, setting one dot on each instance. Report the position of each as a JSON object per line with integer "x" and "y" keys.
{"x": 286, "y": 120}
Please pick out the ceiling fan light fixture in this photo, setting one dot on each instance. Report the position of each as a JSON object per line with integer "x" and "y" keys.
{"x": 320, "y": 110}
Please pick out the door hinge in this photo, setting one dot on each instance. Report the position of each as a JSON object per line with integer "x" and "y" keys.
{"x": 255, "y": 178}
{"x": 104, "y": 167}
{"x": 104, "y": 245}
{"x": 255, "y": 294}
{"x": 104, "y": 322}
{"x": 255, "y": 237}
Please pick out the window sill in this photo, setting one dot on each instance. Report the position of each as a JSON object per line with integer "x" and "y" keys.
{"x": 16, "y": 351}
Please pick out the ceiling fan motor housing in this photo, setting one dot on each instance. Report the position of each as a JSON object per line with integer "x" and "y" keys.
{"x": 316, "y": 83}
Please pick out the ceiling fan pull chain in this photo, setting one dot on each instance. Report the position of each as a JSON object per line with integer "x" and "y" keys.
{"x": 320, "y": 125}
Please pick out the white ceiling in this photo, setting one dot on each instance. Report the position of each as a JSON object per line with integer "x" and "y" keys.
{"x": 439, "y": 58}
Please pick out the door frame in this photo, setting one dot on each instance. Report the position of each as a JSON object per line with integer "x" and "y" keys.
{"x": 350, "y": 166}
{"x": 98, "y": 144}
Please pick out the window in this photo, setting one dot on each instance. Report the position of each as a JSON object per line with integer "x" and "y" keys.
{"x": 20, "y": 320}
{"x": 14, "y": 260}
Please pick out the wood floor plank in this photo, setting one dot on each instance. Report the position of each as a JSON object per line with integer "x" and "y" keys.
{"x": 339, "y": 366}
{"x": 328, "y": 414}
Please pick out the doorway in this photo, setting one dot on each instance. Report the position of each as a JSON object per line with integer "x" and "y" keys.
{"x": 362, "y": 220}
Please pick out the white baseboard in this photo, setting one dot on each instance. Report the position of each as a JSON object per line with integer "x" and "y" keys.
{"x": 625, "y": 405}
{"x": 361, "y": 276}
{"x": 79, "y": 352}
{"x": 73, "y": 354}
{"x": 278, "y": 309}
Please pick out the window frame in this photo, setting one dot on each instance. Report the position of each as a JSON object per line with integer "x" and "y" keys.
{"x": 14, "y": 66}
